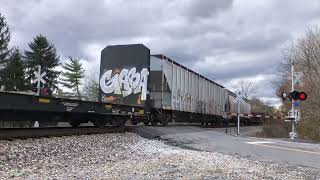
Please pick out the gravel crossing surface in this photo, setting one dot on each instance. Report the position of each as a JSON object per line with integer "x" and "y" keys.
{"x": 128, "y": 156}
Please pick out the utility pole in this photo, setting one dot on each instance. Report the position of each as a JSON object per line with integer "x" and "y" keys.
{"x": 292, "y": 102}
{"x": 238, "y": 124}
{"x": 39, "y": 82}
{"x": 239, "y": 99}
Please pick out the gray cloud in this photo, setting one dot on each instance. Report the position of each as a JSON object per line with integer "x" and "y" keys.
{"x": 224, "y": 40}
{"x": 206, "y": 8}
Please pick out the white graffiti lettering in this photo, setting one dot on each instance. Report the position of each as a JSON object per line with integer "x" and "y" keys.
{"x": 125, "y": 83}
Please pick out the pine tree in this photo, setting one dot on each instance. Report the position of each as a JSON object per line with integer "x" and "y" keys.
{"x": 4, "y": 42}
{"x": 72, "y": 75}
{"x": 13, "y": 72}
{"x": 43, "y": 53}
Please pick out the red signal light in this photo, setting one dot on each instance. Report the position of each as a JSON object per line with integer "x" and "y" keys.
{"x": 302, "y": 96}
{"x": 296, "y": 95}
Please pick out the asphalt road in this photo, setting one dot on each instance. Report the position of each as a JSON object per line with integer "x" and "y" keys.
{"x": 271, "y": 150}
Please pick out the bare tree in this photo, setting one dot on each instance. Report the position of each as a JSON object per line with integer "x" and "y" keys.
{"x": 259, "y": 106}
{"x": 91, "y": 86}
{"x": 247, "y": 88}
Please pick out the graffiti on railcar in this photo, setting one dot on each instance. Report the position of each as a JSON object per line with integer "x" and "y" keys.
{"x": 124, "y": 83}
{"x": 124, "y": 75}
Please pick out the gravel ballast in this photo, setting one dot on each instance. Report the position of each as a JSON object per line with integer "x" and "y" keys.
{"x": 128, "y": 156}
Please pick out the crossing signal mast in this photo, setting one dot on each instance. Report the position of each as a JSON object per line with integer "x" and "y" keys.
{"x": 295, "y": 97}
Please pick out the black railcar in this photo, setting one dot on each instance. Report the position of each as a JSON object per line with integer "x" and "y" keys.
{"x": 31, "y": 108}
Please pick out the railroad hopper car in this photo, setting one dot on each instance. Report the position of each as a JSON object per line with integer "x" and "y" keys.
{"x": 167, "y": 90}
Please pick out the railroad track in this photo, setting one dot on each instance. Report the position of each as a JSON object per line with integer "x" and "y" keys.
{"x": 24, "y": 133}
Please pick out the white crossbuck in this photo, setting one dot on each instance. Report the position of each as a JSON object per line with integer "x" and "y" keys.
{"x": 39, "y": 76}
{"x": 239, "y": 97}
{"x": 297, "y": 77}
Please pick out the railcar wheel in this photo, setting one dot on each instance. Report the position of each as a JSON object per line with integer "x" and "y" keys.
{"x": 164, "y": 123}
{"x": 74, "y": 124}
{"x": 99, "y": 123}
{"x": 146, "y": 123}
{"x": 153, "y": 120}
{"x": 42, "y": 124}
{"x": 134, "y": 121}
{"x": 212, "y": 123}
{"x": 154, "y": 123}
{"x": 164, "y": 120}
{"x": 118, "y": 121}
{"x": 122, "y": 122}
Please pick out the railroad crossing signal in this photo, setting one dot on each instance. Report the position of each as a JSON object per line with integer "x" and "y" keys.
{"x": 296, "y": 95}
{"x": 39, "y": 78}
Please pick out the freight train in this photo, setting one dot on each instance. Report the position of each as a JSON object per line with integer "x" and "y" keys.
{"x": 133, "y": 85}
{"x": 168, "y": 90}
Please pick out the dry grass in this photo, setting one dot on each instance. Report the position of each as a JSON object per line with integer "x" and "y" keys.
{"x": 277, "y": 129}
{"x": 309, "y": 130}
{"x": 274, "y": 129}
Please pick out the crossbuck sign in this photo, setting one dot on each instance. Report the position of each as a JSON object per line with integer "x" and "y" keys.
{"x": 297, "y": 76}
{"x": 239, "y": 97}
{"x": 39, "y": 78}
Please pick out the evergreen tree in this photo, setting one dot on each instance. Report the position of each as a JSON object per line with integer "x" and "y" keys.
{"x": 4, "y": 42}
{"x": 13, "y": 72}
{"x": 72, "y": 75}
{"x": 42, "y": 53}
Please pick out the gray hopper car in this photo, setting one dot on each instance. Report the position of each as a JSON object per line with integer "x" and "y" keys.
{"x": 167, "y": 90}
{"x": 245, "y": 108}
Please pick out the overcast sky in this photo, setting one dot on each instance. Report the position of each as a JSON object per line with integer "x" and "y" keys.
{"x": 225, "y": 40}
